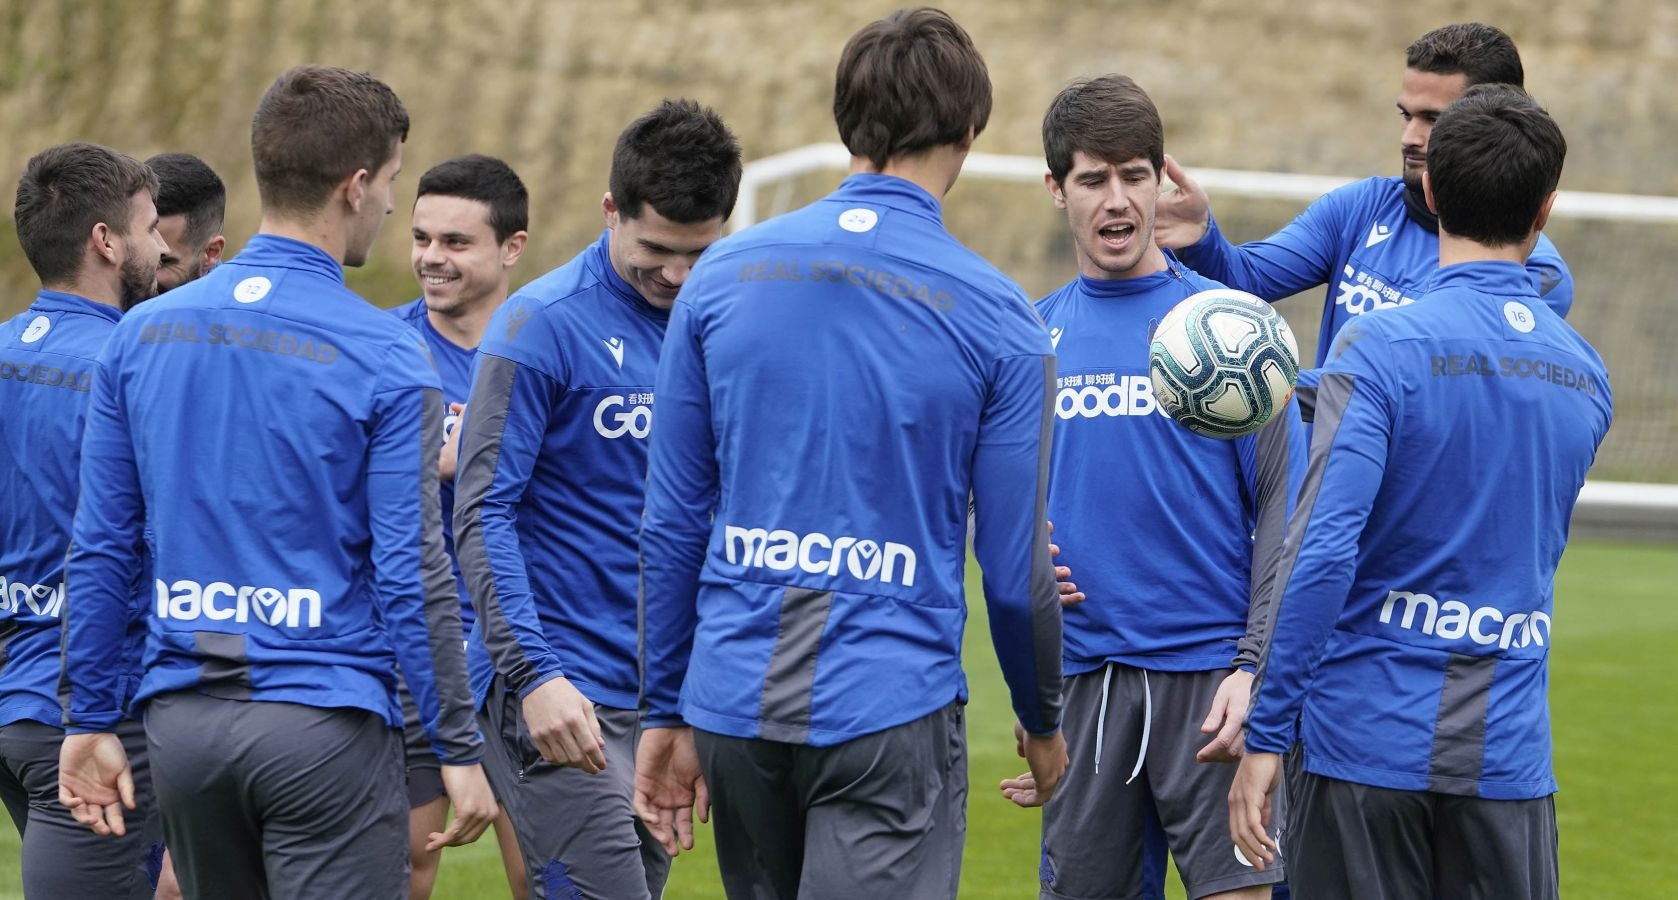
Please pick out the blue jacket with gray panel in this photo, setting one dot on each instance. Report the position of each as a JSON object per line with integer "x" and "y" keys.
{"x": 48, "y": 357}
{"x": 1413, "y": 633}
{"x": 275, "y": 439}
{"x": 837, "y": 383}
{"x": 553, "y": 460}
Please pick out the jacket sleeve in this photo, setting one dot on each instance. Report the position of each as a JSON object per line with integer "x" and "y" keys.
{"x": 1348, "y": 458}
{"x": 416, "y": 590}
{"x": 104, "y": 562}
{"x": 1273, "y": 481}
{"x": 1299, "y": 256}
{"x": 1011, "y": 539}
{"x": 1551, "y": 276}
{"x": 682, "y": 481}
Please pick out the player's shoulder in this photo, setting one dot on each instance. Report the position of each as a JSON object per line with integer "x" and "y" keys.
{"x": 412, "y": 312}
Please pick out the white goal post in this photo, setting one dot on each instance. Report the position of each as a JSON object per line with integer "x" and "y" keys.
{"x": 1617, "y": 510}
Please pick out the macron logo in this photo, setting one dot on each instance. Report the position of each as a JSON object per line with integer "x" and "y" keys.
{"x": 40, "y": 599}
{"x": 818, "y": 554}
{"x": 1054, "y": 338}
{"x": 615, "y": 346}
{"x": 1377, "y": 234}
{"x": 1454, "y": 620}
{"x": 188, "y": 601}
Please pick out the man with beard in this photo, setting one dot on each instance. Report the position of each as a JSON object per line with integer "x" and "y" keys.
{"x": 87, "y": 223}
{"x": 1373, "y": 242}
{"x": 191, "y": 201}
{"x": 469, "y": 224}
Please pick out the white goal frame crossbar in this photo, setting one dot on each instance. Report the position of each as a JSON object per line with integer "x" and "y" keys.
{"x": 1619, "y": 510}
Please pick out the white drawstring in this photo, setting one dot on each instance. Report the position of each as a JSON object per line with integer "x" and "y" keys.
{"x": 1101, "y": 720}
{"x": 1147, "y": 725}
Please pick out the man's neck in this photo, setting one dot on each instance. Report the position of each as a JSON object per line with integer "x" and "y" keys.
{"x": 319, "y": 231}
{"x": 88, "y": 288}
{"x": 934, "y": 171}
{"x": 1454, "y": 250}
{"x": 467, "y": 328}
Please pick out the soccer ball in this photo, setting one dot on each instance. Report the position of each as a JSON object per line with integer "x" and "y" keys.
{"x": 1223, "y": 362}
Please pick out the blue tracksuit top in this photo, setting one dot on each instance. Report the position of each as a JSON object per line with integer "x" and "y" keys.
{"x": 454, "y": 368}
{"x": 553, "y": 464}
{"x": 1363, "y": 241}
{"x": 1157, "y": 523}
{"x": 837, "y": 383}
{"x": 48, "y": 360}
{"x": 276, "y": 437}
{"x": 1413, "y": 632}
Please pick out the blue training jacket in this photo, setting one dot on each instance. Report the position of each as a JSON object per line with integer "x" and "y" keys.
{"x": 454, "y": 369}
{"x": 1172, "y": 536}
{"x": 1413, "y": 634}
{"x": 553, "y": 464}
{"x": 838, "y": 381}
{"x": 1367, "y": 244}
{"x": 277, "y": 437}
{"x": 48, "y": 360}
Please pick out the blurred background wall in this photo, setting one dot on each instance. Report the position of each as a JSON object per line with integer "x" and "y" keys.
{"x": 1284, "y": 85}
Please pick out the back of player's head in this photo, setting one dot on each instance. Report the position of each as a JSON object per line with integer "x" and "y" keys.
{"x": 681, "y": 160}
{"x": 1481, "y": 52}
{"x": 1494, "y": 157}
{"x": 1109, "y": 118}
{"x": 315, "y": 127}
{"x": 487, "y": 180}
{"x": 908, "y": 83}
{"x": 187, "y": 186}
{"x": 64, "y": 192}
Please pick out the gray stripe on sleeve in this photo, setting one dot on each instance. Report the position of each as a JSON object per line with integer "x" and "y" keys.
{"x": 1270, "y": 448}
{"x": 1333, "y": 394}
{"x": 486, "y": 420}
{"x": 457, "y": 730}
{"x": 1045, "y": 597}
{"x": 1459, "y": 731}
{"x": 791, "y": 677}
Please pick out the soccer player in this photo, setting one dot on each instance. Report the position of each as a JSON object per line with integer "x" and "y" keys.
{"x": 1172, "y": 557}
{"x": 272, "y": 438}
{"x": 191, "y": 202}
{"x": 552, "y": 475}
{"x": 1374, "y": 242}
{"x": 1412, "y": 637}
{"x": 88, "y": 226}
{"x": 469, "y": 228}
{"x": 837, "y": 383}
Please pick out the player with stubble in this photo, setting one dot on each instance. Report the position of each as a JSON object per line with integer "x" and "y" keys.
{"x": 1452, "y": 439}
{"x": 287, "y": 588}
{"x": 553, "y": 461}
{"x": 837, "y": 384}
{"x": 191, "y": 204}
{"x": 88, "y": 226}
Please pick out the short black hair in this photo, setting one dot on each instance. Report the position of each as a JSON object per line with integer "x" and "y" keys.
{"x": 1483, "y": 53}
{"x": 681, "y": 159}
{"x": 186, "y": 185}
{"x": 1111, "y": 118}
{"x": 64, "y": 192}
{"x": 487, "y": 180}
{"x": 908, "y": 83}
{"x": 1493, "y": 157}
{"x": 318, "y": 125}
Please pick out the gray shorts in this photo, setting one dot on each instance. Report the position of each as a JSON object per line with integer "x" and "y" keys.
{"x": 280, "y": 800}
{"x": 881, "y": 816}
{"x": 1095, "y": 830}
{"x": 62, "y": 858}
{"x": 1353, "y": 840}
{"x": 419, "y": 760}
{"x": 578, "y": 832}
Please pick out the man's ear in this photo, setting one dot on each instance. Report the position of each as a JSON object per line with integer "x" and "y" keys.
{"x": 212, "y": 251}
{"x": 1056, "y": 191}
{"x": 513, "y": 248}
{"x": 103, "y": 242}
{"x": 355, "y": 189}
{"x": 1544, "y": 212}
{"x": 1427, "y": 194}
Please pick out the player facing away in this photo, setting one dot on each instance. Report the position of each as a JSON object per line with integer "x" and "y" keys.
{"x": 191, "y": 204}
{"x": 1374, "y": 242}
{"x": 88, "y": 226}
{"x": 285, "y": 589}
{"x": 1173, "y": 558}
{"x": 469, "y": 228}
{"x": 837, "y": 383}
{"x": 551, "y": 484}
{"x": 1412, "y": 637}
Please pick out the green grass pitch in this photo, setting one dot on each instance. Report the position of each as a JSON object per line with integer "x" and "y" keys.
{"x": 1615, "y": 719}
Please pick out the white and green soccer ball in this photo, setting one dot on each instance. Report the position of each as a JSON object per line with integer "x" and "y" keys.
{"x": 1223, "y": 363}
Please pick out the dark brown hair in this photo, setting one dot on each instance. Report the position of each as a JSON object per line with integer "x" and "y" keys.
{"x": 64, "y": 192}
{"x": 315, "y": 127}
{"x": 1493, "y": 156}
{"x": 681, "y": 160}
{"x": 908, "y": 83}
{"x": 1481, "y": 52}
{"x": 1110, "y": 118}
